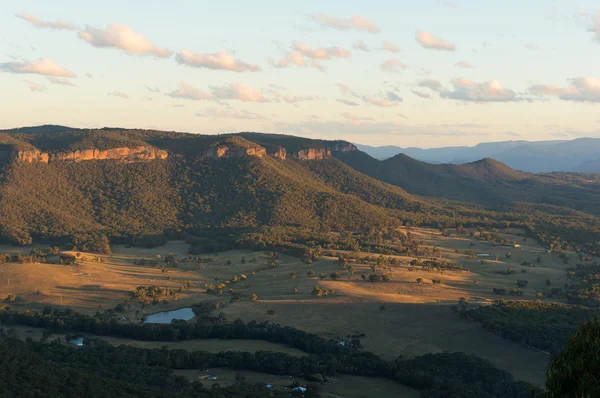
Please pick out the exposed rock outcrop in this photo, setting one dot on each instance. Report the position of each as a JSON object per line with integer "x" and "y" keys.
{"x": 344, "y": 147}
{"x": 128, "y": 155}
{"x": 313, "y": 153}
{"x": 279, "y": 153}
{"x": 226, "y": 151}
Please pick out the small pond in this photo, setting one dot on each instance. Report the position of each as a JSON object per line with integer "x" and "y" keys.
{"x": 167, "y": 316}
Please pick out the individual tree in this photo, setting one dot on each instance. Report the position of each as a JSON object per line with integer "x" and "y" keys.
{"x": 253, "y": 297}
{"x": 575, "y": 371}
{"x": 322, "y": 276}
{"x": 334, "y": 276}
{"x": 310, "y": 273}
{"x": 508, "y": 255}
{"x": 548, "y": 282}
{"x": 382, "y": 308}
{"x": 292, "y": 275}
{"x": 419, "y": 280}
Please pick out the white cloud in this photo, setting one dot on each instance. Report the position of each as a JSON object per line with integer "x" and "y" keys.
{"x": 35, "y": 86}
{"x": 154, "y": 89}
{"x": 432, "y": 84}
{"x": 303, "y": 55}
{"x": 580, "y": 89}
{"x": 360, "y": 45}
{"x": 392, "y": 65}
{"x": 122, "y": 37}
{"x": 384, "y": 100}
{"x": 464, "y": 65}
{"x": 491, "y": 91}
{"x": 222, "y": 60}
{"x": 420, "y": 94}
{"x": 347, "y": 102}
{"x": 354, "y": 22}
{"x": 42, "y": 66}
{"x": 61, "y": 81}
{"x": 238, "y": 91}
{"x": 119, "y": 94}
{"x": 391, "y": 47}
{"x": 228, "y": 113}
{"x": 431, "y": 42}
{"x": 355, "y": 119}
{"x": 322, "y": 53}
{"x": 185, "y": 91}
{"x": 533, "y": 47}
{"x": 56, "y": 25}
{"x": 297, "y": 98}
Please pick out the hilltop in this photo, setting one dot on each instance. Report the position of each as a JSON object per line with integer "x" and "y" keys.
{"x": 145, "y": 186}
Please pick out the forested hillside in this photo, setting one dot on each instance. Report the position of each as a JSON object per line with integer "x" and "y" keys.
{"x": 93, "y": 187}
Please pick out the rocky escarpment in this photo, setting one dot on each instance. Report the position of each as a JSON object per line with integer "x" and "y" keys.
{"x": 227, "y": 151}
{"x": 344, "y": 147}
{"x": 312, "y": 153}
{"x": 278, "y": 152}
{"x": 128, "y": 155}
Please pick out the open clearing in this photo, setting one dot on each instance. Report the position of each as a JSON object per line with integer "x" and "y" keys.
{"x": 416, "y": 318}
{"x": 342, "y": 386}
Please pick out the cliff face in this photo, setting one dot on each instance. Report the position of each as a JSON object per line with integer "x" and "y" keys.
{"x": 226, "y": 151}
{"x": 279, "y": 153}
{"x": 344, "y": 147}
{"x": 313, "y": 154}
{"x": 128, "y": 155}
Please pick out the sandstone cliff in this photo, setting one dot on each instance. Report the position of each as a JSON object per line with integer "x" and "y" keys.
{"x": 128, "y": 155}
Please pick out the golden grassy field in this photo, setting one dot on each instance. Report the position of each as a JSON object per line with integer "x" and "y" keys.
{"x": 416, "y": 318}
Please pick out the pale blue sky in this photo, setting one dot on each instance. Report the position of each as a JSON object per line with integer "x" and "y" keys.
{"x": 523, "y": 56}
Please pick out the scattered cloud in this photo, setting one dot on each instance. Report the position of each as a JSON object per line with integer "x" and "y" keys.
{"x": 153, "y": 89}
{"x": 42, "y": 66}
{"x": 464, "y": 65}
{"x": 448, "y": 4}
{"x": 431, "y": 42}
{"x": 119, "y": 94}
{"x": 355, "y": 119}
{"x": 303, "y": 55}
{"x": 228, "y": 113}
{"x": 323, "y": 53}
{"x": 222, "y": 60}
{"x": 347, "y": 102}
{"x": 360, "y": 45}
{"x": 344, "y": 88}
{"x": 391, "y": 47}
{"x": 295, "y": 99}
{"x": 384, "y": 100}
{"x": 354, "y": 22}
{"x": 580, "y": 89}
{"x": 89, "y": 75}
{"x": 35, "y": 86}
{"x": 490, "y": 91}
{"x": 402, "y": 116}
{"x": 532, "y": 47}
{"x": 420, "y": 94}
{"x": 124, "y": 38}
{"x": 238, "y": 91}
{"x": 432, "y": 84}
{"x": 392, "y": 65}
{"x": 61, "y": 81}
{"x": 186, "y": 91}
{"x": 38, "y": 23}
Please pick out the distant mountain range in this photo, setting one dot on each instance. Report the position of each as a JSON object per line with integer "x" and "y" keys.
{"x": 578, "y": 155}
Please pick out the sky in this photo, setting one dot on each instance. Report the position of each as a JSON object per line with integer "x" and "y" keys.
{"x": 426, "y": 73}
